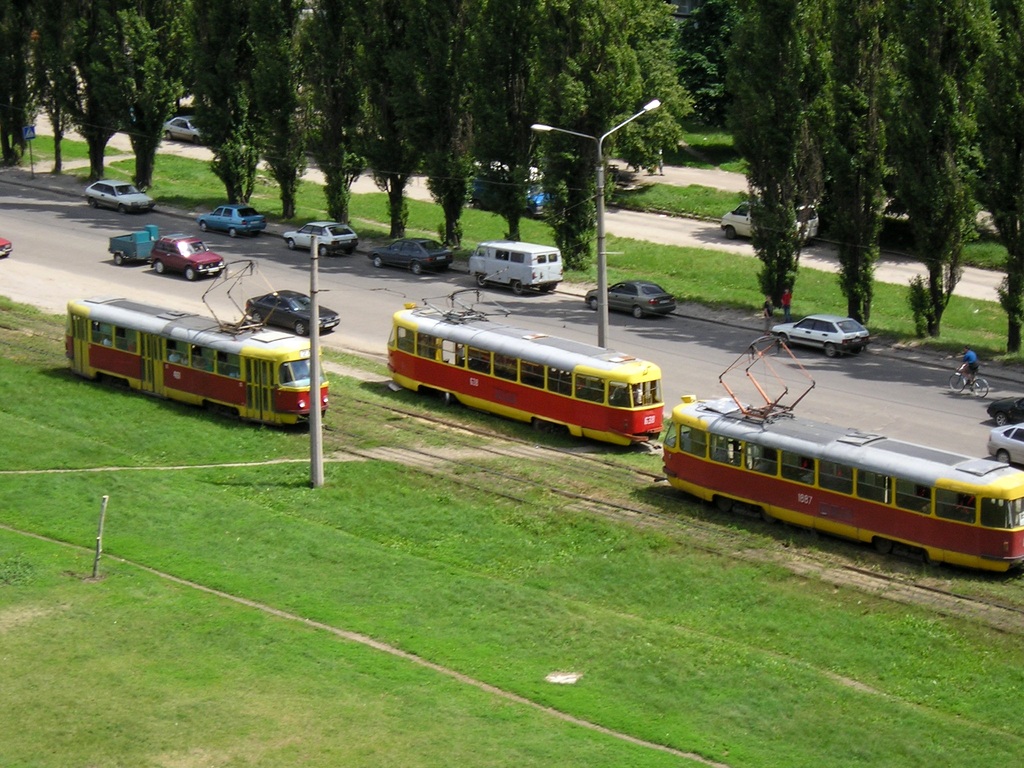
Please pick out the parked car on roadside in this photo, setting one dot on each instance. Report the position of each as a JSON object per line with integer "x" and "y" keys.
{"x": 737, "y": 222}
{"x": 291, "y": 310}
{"x": 638, "y": 297}
{"x": 187, "y": 255}
{"x": 234, "y": 219}
{"x": 1006, "y": 443}
{"x": 413, "y": 253}
{"x": 5, "y": 248}
{"x": 334, "y": 237}
{"x": 121, "y": 196}
{"x": 832, "y": 333}
{"x": 182, "y": 129}
{"x": 1007, "y": 410}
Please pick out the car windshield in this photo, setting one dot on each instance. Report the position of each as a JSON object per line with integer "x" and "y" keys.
{"x": 296, "y": 373}
{"x": 652, "y": 290}
{"x": 337, "y": 230}
{"x": 851, "y": 326}
{"x": 126, "y": 189}
{"x": 300, "y": 302}
{"x": 195, "y": 246}
{"x": 247, "y": 212}
{"x": 431, "y": 245}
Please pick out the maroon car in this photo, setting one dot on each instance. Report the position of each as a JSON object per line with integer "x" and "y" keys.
{"x": 188, "y": 255}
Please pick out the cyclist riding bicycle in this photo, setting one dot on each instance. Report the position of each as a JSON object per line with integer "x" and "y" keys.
{"x": 969, "y": 368}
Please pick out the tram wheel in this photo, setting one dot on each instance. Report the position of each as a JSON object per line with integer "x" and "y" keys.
{"x": 882, "y": 545}
{"x": 724, "y": 503}
{"x": 768, "y": 517}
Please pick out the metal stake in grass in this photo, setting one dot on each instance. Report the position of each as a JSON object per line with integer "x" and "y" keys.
{"x": 99, "y": 538}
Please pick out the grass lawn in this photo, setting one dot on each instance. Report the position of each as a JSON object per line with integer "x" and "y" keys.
{"x": 679, "y": 645}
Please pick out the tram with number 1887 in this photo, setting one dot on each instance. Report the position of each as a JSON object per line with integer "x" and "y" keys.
{"x": 861, "y": 486}
{"x": 528, "y": 376}
{"x": 256, "y": 375}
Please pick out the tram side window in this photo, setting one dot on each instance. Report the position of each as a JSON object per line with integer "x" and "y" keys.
{"x": 532, "y": 374}
{"x": 589, "y": 388}
{"x": 506, "y": 366}
{"x": 450, "y": 352}
{"x": 647, "y": 393}
{"x": 560, "y": 381}
{"x": 693, "y": 441}
{"x": 126, "y": 339}
{"x": 797, "y": 467}
{"x": 618, "y": 394}
{"x": 913, "y": 496}
{"x": 405, "y": 339}
{"x": 202, "y": 358}
{"x": 671, "y": 437}
{"x": 428, "y": 346}
{"x": 726, "y": 450}
{"x": 177, "y": 352}
{"x": 479, "y": 360}
{"x": 1002, "y": 513}
{"x": 102, "y": 333}
{"x": 873, "y": 486}
{"x": 950, "y": 505}
{"x": 763, "y": 459}
{"x": 229, "y": 364}
{"x": 835, "y": 476}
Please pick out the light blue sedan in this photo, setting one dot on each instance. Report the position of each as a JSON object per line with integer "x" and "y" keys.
{"x": 234, "y": 219}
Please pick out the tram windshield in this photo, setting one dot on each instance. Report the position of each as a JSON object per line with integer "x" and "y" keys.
{"x": 296, "y": 374}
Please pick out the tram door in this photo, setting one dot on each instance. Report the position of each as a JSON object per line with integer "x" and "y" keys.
{"x": 259, "y": 388}
{"x": 79, "y": 343}
{"x": 152, "y": 353}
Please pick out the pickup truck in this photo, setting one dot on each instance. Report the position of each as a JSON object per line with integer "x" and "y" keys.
{"x": 188, "y": 255}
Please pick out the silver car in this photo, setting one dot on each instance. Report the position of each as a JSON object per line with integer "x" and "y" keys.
{"x": 736, "y": 223}
{"x": 333, "y": 236}
{"x": 122, "y": 196}
{"x": 183, "y": 129}
{"x": 1007, "y": 443}
{"x": 836, "y": 335}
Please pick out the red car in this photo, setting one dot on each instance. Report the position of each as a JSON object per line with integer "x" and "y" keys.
{"x": 5, "y": 248}
{"x": 188, "y": 255}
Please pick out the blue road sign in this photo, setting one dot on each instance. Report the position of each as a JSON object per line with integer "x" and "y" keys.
{"x": 28, "y": 132}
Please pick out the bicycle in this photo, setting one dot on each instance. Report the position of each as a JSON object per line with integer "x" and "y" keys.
{"x": 975, "y": 384}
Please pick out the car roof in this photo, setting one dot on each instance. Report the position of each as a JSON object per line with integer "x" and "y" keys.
{"x": 325, "y": 224}
{"x": 831, "y": 318}
{"x": 285, "y": 294}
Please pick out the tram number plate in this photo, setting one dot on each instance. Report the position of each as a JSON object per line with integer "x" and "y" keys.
{"x": 474, "y": 381}
{"x": 804, "y": 498}
{"x": 650, "y": 419}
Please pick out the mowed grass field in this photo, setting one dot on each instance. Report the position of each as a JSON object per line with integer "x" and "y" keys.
{"x": 401, "y": 617}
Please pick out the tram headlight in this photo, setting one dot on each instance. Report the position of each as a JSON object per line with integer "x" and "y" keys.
{"x": 302, "y": 404}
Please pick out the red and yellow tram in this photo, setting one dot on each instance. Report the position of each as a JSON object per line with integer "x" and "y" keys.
{"x": 527, "y": 376}
{"x": 260, "y": 375}
{"x": 866, "y": 487}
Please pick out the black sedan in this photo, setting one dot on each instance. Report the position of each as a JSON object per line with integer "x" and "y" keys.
{"x": 288, "y": 309}
{"x": 638, "y": 297}
{"x": 1008, "y": 410}
{"x": 415, "y": 254}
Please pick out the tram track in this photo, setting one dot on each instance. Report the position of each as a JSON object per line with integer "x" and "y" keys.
{"x": 511, "y": 479}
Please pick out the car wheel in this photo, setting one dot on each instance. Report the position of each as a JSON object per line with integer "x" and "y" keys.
{"x": 638, "y": 311}
{"x": 118, "y": 258}
{"x": 167, "y": 135}
{"x": 378, "y": 262}
{"x": 190, "y": 274}
{"x": 517, "y": 287}
{"x": 121, "y": 209}
{"x": 256, "y": 317}
{"x": 830, "y": 349}
{"x": 1001, "y": 419}
{"x": 93, "y": 203}
{"x": 1003, "y": 455}
{"x": 592, "y": 303}
{"x": 481, "y": 279}
{"x": 350, "y": 251}
{"x": 195, "y": 139}
{"x": 158, "y": 266}
{"x": 290, "y": 243}
{"x": 300, "y": 328}
{"x": 730, "y": 232}
{"x": 202, "y": 225}
{"x": 322, "y": 251}
{"x": 232, "y": 232}
{"x": 416, "y": 268}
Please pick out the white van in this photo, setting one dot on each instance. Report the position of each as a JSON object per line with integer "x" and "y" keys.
{"x": 517, "y": 265}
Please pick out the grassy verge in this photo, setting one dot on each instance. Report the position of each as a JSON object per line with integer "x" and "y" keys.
{"x": 678, "y": 643}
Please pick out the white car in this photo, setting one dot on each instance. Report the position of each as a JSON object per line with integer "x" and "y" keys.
{"x": 183, "y": 129}
{"x": 1006, "y": 443}
{"x": 836, "y": 335}
{"x": 333, "y": 236}
{"x": 736, "y": 223}
{"x": 122, "y": 196}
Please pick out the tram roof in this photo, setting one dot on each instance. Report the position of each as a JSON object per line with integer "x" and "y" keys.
{"x": 184, "y": 326}
{"x": 532, "y": 346}
{"x": 850, "y": 446}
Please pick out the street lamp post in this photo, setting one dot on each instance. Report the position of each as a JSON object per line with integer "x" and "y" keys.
{"x": 602, "y": 256}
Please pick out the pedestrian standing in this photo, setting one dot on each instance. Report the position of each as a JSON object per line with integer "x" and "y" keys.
{"x": 787, "y": 301}
{"x": 767, "y": 310}
{"x": 661, "y": 163}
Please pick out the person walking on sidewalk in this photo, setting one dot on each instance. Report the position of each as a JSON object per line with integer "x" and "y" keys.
{"x": 767, "y": 310}
{"x": 787, "y": 301}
